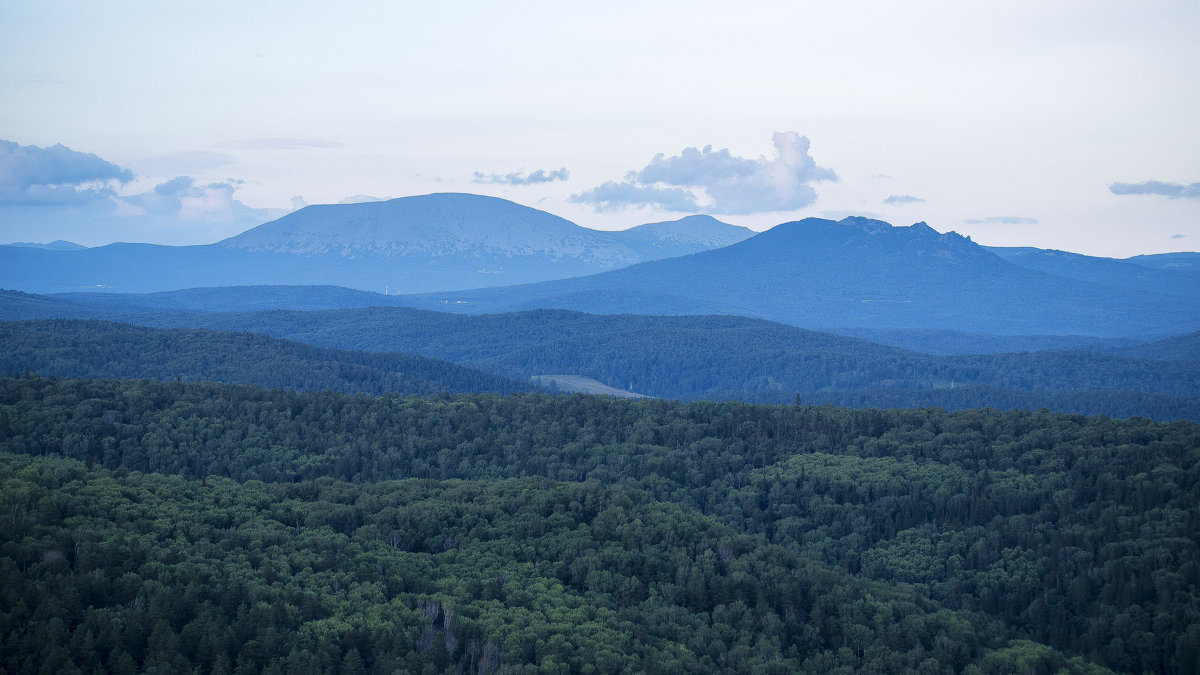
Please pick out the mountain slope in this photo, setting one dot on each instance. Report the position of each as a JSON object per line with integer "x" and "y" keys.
{"x": 674, "y": 238}
{"x": 1105, "y": 271}
{"x": 861, "y": 273}
{"x": 413, "y": 244}
{"x": 473, "y": 226}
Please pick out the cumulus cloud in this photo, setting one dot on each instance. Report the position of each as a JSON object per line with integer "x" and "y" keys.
{"x": 613, "y": 195}
{"x": 59, "y": 193}
{"x": 1155, "y": 187}
{"x": 731, "y": 184}
{"x": 897, "y": 200}
{"x": 1001, "y": 220}
{"x": 518, "y": 178}
{"x": 181, "y": 198}
{"x": 57, "y": 175}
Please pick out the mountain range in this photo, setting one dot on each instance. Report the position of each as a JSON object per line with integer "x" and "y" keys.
{"x": 859, "y": 273}
{"x": 474, "y": 254}
{"x": 412, "y": 244}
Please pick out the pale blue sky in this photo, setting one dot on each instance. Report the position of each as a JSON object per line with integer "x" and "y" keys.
{"x": 1007, "y": 121}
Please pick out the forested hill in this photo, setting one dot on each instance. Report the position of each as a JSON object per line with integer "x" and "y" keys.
{"x": 179, "y": 526}
{"x": 99, "y": 349}
{"x": 691, "y": 357}
{"x": 734, "y": 357}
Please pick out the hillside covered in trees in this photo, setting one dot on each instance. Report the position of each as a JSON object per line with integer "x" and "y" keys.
{"x": 173, "y": 526}
{"x": 100, "y": 349}
{"x": 688, "y": 358}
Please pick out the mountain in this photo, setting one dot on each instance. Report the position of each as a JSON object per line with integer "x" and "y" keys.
{"x": 486, "y": 230}
{"x": 1178, "y": 261}
{"x": 862, "y": 273}
{"x": 412, "y": 244}
{"x": 688, "y": 235}
{"x": 56, "y": 245}
{"x": 1107, "y": 271}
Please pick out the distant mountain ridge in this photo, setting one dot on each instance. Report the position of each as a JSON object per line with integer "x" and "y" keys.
{"x": 56, "y": 245}
{"x": 412, "y": 244}
{"x": 860, "y": 273}
{"x": 432, "y": 225}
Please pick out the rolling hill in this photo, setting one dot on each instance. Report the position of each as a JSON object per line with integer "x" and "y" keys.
{"x": 727, "y": 357}
{"x": 99, "y": 349}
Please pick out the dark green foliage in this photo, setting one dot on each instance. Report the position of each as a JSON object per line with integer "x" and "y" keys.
{"x": 732, "y": 357}
{"x": 701, "y": 357}
{"x": 111, "y": 350}
{"x": 596, "y": 534}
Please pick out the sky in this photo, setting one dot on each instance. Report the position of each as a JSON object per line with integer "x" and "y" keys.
{"x": 1067, "y": 125}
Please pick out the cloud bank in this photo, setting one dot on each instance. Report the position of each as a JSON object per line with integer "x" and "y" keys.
{"x": 31, "y": 175}
{"x": 60, "y": 193}
{"x": 897, "y": 200}
{"x": 612, "y": 195}
{"x": 730, "y": 184}
{"x": 1155, "y": 187}
{"x": 518, "y": 178}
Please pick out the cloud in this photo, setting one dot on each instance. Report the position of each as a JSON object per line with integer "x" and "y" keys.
{"x": 517, "y": 178}
{"x": 731, "y": 184}
{"x": 1155, "y": 187}
{"x": 57, "y": 175}
{"x": 1179, "y": 236}
{"x": 182, "y": 199}
{"x": 298, "y": 203}
{"x": 897, "y": 200}
{"x": 1001, "y": 220}
{"x": 360, "y": 199}
{"x": 612, "y": 195}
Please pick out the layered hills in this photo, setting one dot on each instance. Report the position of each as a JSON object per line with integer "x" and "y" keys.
{"x": 860, "y": 273}
{"x": 694, "y": 357}
{"x": 469, "y": 253}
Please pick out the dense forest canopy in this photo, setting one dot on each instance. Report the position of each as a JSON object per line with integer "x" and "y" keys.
{"x": 688, "y": 358}
{"x": 101, "y": 349}
{"x": 172, "y": 526}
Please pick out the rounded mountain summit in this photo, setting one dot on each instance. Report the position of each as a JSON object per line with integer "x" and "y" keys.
{"x": 479, "y": 228}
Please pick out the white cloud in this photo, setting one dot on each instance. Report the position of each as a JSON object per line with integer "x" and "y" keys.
{"x": 1155, "y": 187}
{"x": 897, "y": 200}
{"x": 519, "y": 178}
{"x": 57, "y": 175}
{"x": 612, "y": 195}
{"x": 730, "y": 184}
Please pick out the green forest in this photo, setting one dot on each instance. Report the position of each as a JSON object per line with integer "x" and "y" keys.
{"x": 688, "y": 358}
{"x": 177, "y": 526}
